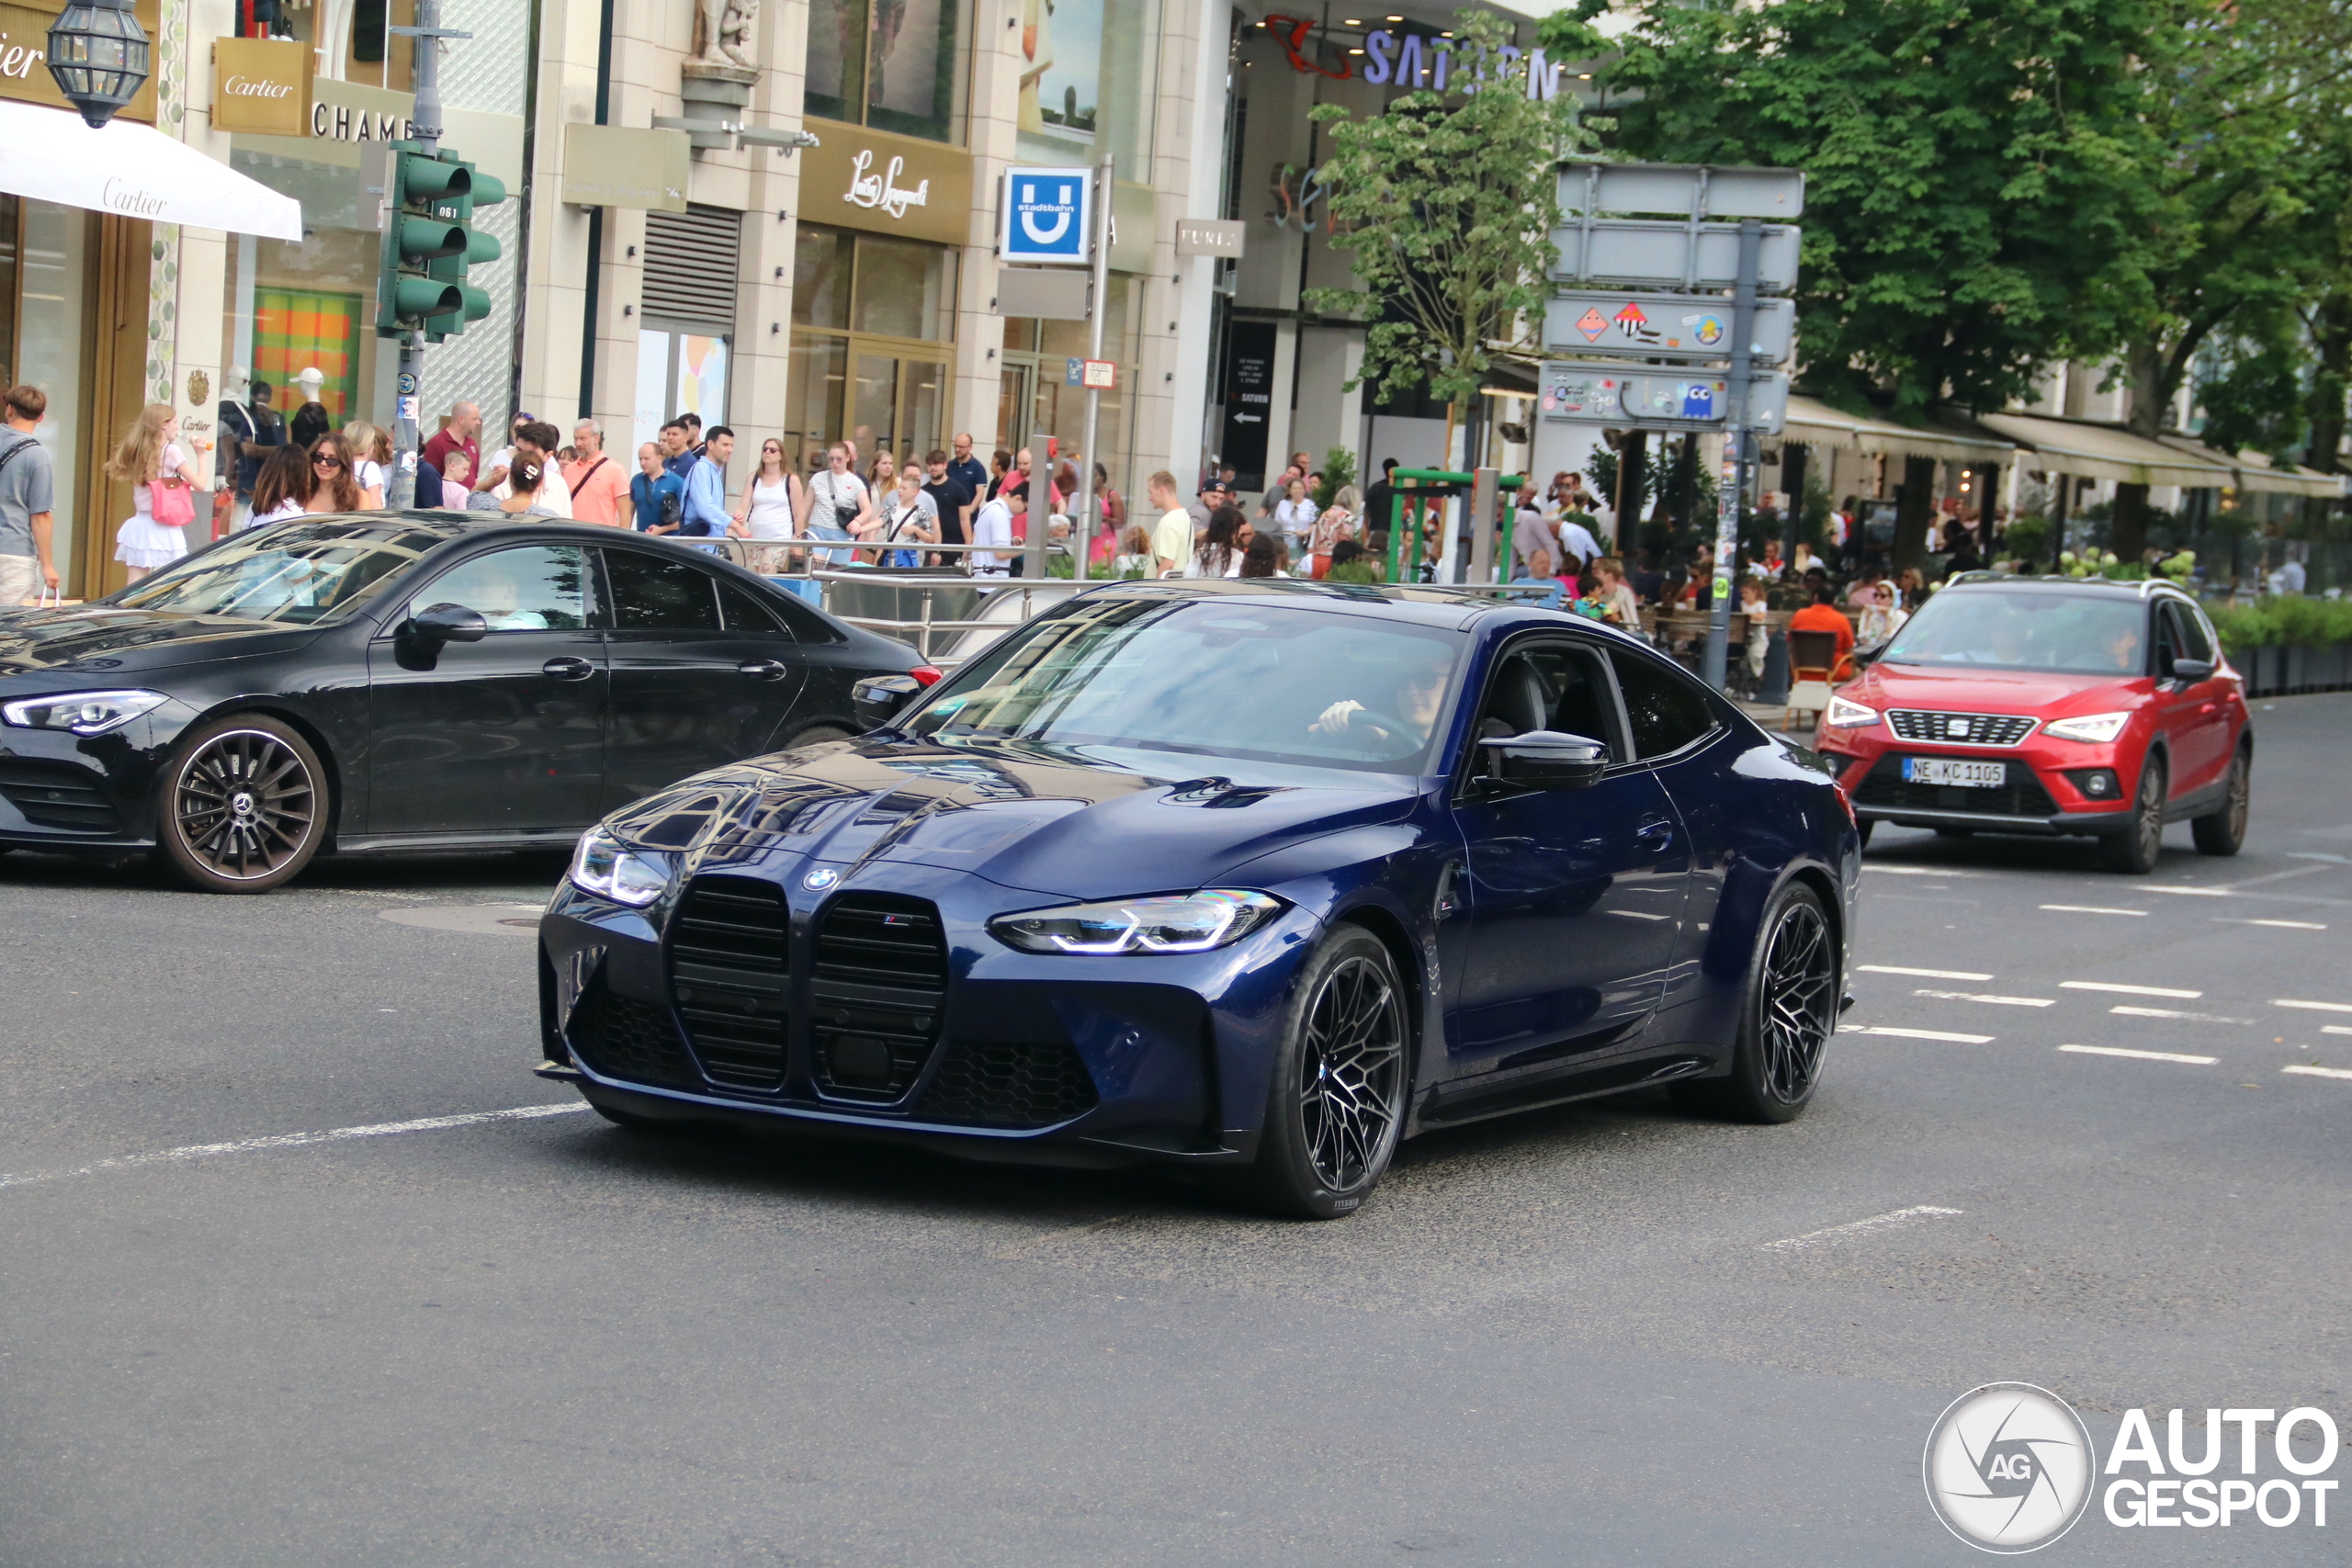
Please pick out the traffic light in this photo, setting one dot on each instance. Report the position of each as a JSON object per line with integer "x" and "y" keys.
{"x": 481, "y": 190}
{"x": 418, "y": 233}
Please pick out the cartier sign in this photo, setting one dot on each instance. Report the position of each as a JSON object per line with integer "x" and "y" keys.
{"x": 891, "y": 184}
{"x": 261, "y": 86}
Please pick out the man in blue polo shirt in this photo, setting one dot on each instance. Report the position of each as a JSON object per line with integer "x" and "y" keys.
{"x": 658, "y": 496}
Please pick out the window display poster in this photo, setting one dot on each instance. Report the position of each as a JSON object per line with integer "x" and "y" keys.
{"x": 701, "y": 379}
{"x": 1061, "y": 68}
{"x": 296, "y": 328}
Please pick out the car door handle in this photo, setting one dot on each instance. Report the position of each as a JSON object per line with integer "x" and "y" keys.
{"x": 568, "y": 668}
{"x": 1656, "y": 834}
{"x": 763, "y": 670}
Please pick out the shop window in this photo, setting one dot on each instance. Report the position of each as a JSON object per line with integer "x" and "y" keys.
{"x": 679, "y": 372}
{"x": 1089, "y": 82}
{"x": 297, "y": 328}
{"x": 904, "y": 288}
{"x": 898, "y": 65}
{"x": 870, "y": 315}
{"x": 821, "y": 263}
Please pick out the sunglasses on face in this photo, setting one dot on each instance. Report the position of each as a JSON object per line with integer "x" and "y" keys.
{"x": 329, "y": 458}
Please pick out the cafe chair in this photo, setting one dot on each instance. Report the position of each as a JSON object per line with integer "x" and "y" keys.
{"x": 1812, "y": 659}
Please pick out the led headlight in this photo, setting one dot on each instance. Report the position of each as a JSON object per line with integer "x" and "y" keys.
{"x": 2094, "y": 729}
{"x": 1844, "y": 714}
{"x": 84, "y": 712}
{"x": 625, "y": 875}
{"x": 1180, "y": 923}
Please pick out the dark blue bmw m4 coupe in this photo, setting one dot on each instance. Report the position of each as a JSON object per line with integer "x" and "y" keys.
{"x": 1261, "y": 877}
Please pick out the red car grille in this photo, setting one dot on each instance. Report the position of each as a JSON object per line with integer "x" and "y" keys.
{"x": 1959, "y": 729}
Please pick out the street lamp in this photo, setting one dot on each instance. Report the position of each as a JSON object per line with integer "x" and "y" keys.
{"x": 97, "y": 51}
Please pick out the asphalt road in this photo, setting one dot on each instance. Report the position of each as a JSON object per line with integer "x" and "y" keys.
{"x": 1611, "y": 1334}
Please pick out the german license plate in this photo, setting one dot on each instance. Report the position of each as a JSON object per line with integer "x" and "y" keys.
{"x": 1946, "y": 771}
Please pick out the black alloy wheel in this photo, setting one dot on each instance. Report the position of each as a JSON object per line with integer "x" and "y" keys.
{"x": 2223, "y": 831}
{"x": 1788, "y": 1016}
{"x": 817, "y": 735}
{"x": 2135, "y": 850}
{"x": 1337, "y": 1102}
{"x": 243, "y": 807}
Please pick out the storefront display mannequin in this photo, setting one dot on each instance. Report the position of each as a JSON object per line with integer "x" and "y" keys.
{"x": 311, "y": 419}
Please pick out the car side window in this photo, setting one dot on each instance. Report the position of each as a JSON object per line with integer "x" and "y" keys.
{"x": 651, "y": 594}
{"x": 1550, "y": 685}
{"x": 743, "y": 613}
{"x": 1666, "y": 710}
{"x": 2167, "y": 640}
{"x": 2190, "y": 631}
{"x": 532, "y": 588}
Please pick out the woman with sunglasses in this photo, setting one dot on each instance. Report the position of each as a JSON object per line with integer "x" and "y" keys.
{"x": 772, "y": 501}
{"x": 334, "y": 482}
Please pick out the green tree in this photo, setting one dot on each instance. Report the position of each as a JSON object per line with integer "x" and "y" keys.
{"x": 1447, "y": 202}
{"x": 1976, "y": 199}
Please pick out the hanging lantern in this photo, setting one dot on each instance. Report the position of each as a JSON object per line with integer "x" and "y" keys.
{"x": 97, "y": 51}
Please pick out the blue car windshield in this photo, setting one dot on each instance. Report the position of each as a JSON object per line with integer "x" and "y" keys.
{"x": 1221, "y": 676}
{"x": 2088, "y": 634}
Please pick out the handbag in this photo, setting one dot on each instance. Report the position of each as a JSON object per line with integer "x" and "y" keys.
{"x": 172, "y": 506}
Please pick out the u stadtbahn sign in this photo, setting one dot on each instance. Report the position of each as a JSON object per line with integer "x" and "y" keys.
{"x": 1663, "y": 326}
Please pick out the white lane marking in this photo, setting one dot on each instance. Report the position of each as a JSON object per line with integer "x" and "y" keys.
{"x": 2319, "y": 1072}
{"x": 1915, "y": 1034}
{"x": 2171, "y": 1012}
{"x": 2123, "y": 990}
{"x": 2189, "y": 892}
{"x": 1858, "y": 1227}
{"x": 2334, "y": 1028}
{"x": 2141, "y": 1056}
{"x": 1996, "y": 1001}
{"x": 2312, "y": 1007}
{"x": 288, "y": 1141}
{"x": 2089, "y": 909}
{"x": 1912, "y": 870}
{"x": 2309, "y": 854}
{"x": 1922, "y": 974}
{"x": 2275, "y": 925}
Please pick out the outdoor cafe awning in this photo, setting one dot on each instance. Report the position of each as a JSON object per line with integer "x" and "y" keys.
{"x": 2096, "y": 451}
{"x": 1814, "y": 422}
{"x": 136, "y": 172}
{"x": 2257, "y": 471}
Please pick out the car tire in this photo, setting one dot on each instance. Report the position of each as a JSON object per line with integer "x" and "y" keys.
{"x": 1336, "y": 1103}
{"x": 2135, "y": 850}
{"x": 2223, "y": 831}
{"x": 241, "y": 805}
{"x": 1787, "y": 1015}
{"x": 1864, "y": 830}
{"x": 817, "y": 735}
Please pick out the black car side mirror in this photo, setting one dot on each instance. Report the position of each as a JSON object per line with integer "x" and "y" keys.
{"x": 1545, "y": 759}
{"x": 2192, "y": 670}
{"x": 879, "y": 697}
{"x": 418, "y": 643}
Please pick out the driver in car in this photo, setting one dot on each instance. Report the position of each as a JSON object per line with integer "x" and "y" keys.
{"x": 2123, "y": 650}
{"x": 1408, "y": 715}
{"x": 493, "y": 596}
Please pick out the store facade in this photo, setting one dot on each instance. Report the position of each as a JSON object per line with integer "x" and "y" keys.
{"x": 106, "y": 310}
{"x": 847, "y": 291}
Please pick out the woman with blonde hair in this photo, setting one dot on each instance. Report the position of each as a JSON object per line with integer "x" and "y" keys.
{"x": 334, "y": 480}
{"x": 149, "y": 460}
{"x": 1340, "y": 520}
{"x": 371, "y": 462}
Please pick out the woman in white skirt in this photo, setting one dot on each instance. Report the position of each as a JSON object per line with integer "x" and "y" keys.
{"x": 151, "y": 462}
{"x": 772, "y": 501}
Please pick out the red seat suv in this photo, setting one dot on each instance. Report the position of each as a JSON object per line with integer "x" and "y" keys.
{"x": 2054, "y": 706}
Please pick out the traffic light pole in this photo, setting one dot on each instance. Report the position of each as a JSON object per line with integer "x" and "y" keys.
{"x": 426, "y": 121}
{"x": 1732, "y": 487}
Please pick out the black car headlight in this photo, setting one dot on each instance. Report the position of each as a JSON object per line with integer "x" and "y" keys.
{"x": 623, "y": 873}
{"x": 84, "y": 712}
{"x": 1175, "y": 922}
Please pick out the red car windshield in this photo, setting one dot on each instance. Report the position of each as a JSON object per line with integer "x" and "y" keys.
{"x": 2082, "y": 633}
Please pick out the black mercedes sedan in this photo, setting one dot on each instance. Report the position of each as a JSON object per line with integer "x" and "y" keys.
{"x": 383, "y": 682}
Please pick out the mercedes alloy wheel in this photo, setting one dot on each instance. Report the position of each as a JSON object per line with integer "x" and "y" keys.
{"x": 243, "y": 806}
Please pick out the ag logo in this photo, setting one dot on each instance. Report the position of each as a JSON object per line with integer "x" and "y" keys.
{"x": 2009, "y": 1467}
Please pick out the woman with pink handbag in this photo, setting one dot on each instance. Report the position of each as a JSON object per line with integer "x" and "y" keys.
{"x": 150, "y": 461}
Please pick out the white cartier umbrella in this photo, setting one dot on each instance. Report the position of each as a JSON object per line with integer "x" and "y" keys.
{"x": 136, "y": 171}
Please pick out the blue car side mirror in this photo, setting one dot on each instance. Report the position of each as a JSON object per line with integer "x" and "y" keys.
{"x": 1545, "y": 759}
